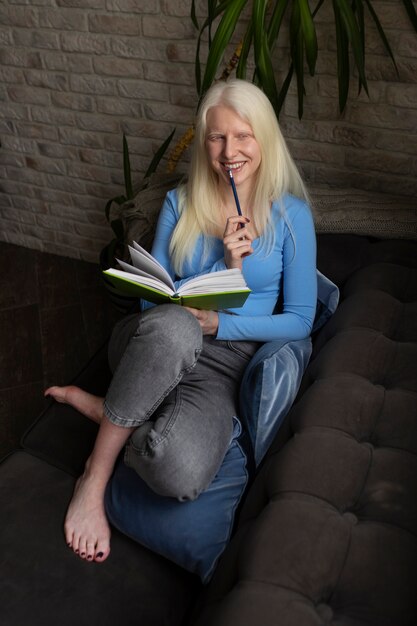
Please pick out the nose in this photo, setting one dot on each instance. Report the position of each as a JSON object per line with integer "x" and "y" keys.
{"x": 229, "y": 148}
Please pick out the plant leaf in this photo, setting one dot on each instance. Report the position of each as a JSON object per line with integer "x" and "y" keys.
{"x": 222, "y": 37}
{"x": 197, "y": 66}
{"x": 343, "y": 66}
{"x": 126, "y": 169}
{"x": 213, "y": 12}
{"x": 297, "y": 53}
{"x": 158, "y": 155}
{"x": 247, "y": 43}
{"x": 118, "y": 229}
{"x": 194, "y": 15}
{"x": 284, "y": 89}
{"x": 381, "y": 33}
{"x": 276, "y": 21}
{"x": 309, "y": 35}
{"x": 265, "y": 74}
{"x": 117, "y": 200}
{"x": 353, "y": 34}
{"x": 409, "y": 6}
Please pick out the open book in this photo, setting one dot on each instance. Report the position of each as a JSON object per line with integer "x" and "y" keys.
{"x": 147, "y": 279}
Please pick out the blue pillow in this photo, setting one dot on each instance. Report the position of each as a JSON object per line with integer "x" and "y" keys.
{"x": 273, "y": 376}
{"x": 268, "y": 389}
{"x": 194, "y": 533}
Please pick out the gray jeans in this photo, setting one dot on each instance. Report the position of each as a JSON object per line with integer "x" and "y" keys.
{"x": 179, "y": 390}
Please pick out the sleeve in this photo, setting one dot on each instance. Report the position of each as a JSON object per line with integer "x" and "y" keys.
{"x": 299, "y": 290}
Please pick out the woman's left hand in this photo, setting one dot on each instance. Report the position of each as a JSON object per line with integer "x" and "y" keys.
{"x": 208, "y": 320}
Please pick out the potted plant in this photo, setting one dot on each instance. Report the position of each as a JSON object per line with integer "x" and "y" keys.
{"x": 114, "y": 211}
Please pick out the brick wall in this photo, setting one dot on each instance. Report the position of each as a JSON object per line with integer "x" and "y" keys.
{"x": 75, "y": 74}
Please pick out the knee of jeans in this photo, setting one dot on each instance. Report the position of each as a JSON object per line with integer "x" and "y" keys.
{"x": 173, "y": 324}
{"x": 182, "y": 486}
{"x": 175, "y": 479}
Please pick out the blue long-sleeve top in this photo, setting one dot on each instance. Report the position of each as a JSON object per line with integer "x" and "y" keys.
{"x": 292, "y": 258}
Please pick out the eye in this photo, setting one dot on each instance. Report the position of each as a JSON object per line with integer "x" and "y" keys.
{"x": 215, "y": 137}
{"x": 243, "y": 136}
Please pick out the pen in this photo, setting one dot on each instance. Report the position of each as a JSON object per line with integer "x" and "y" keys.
{"x": 232, "y": 182}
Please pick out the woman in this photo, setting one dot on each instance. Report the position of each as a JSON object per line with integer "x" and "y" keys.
{"x": 177, "y": 370}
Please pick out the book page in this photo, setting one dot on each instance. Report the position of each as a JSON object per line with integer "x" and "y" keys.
{"x": 146, "y": 280}
{"x": 215, "y": 282}
{"x": 144, "y": 261}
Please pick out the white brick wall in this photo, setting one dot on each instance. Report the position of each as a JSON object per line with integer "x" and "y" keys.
{"x": 75, "y": 74}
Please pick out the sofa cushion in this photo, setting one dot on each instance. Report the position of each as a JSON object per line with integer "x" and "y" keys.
{"x": 328, "y": 531}
{"x": 43, "y": 582}
{"x": 360, "y": 212}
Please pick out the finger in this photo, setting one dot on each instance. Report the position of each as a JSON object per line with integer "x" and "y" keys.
{"x": 239, "y": 245}
{"x": 238, "y": 235}
{"x": 233, "y": 222}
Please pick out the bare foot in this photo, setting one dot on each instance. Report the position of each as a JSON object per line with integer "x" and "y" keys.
{"x": 87, "y": 404}
{"x": 86, "y": 528}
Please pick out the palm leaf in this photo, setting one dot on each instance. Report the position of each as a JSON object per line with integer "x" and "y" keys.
{"x": 158, "y": 155}
{"x": 264, "y": 68}
{"x": 284, "y": 89}
{"x": 126, "y": 169}
{"x": 276, "y": 21}
{"x": 119, "y": 200}
{"x": 409, "y": 6}
{"x": 342, "y": 51}
{"x": 381, "y": 32}
{"x": 220, "y": 41}
{"x": 350, "y": 26}
{"x": 309, "y": 34}
{"x": 194, "y": 15}
{"x": 247, "y": 43}
{"x": 213, "y": 12}
{"x": 297, "y": 53}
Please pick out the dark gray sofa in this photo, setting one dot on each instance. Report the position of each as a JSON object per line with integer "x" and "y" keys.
{"x": 328, "y": 531}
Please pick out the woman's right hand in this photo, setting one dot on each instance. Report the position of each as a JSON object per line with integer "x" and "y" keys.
{"x": 237, "y": 241}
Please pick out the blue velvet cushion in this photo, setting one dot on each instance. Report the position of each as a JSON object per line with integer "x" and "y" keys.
{"x": 269, "y": 386}
{"x": 273, "y": 376}
{"x": 194, "y": 534}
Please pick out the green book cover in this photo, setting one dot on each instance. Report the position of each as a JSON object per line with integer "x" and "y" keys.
{"x": 210, "y": 301}
{"x": 148, "y": 279}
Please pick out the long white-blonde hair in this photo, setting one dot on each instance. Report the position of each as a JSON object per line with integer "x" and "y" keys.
{"x": 199, "y": 199}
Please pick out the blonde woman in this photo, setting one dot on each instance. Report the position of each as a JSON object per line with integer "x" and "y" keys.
{"x": 177, "y": 371}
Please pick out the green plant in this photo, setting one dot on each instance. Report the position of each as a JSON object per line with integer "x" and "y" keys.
{"x": 266, "y": 22}
{"x": 116, "y": 220}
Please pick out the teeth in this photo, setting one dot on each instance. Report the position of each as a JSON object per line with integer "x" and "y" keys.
{"x": 233, "y": 166}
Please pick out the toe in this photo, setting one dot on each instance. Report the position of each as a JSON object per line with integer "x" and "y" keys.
{"x": 82, "y": 548}
{"x": 102, "y": 551}
{"x": 91, "y": 549}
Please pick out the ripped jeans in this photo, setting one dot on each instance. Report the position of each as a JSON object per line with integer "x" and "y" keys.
{"x": 179, "y": 390}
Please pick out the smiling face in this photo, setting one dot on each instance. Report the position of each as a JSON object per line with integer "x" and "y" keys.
{"x": 231, "y": 145}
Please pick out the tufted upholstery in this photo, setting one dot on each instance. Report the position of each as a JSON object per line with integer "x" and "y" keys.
{"x": 328, "y": 532}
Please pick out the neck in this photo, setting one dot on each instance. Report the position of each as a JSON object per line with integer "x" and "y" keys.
{"x": 228, "y": 200}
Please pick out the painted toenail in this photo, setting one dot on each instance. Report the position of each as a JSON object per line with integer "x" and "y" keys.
{"x": 99, "y": 555}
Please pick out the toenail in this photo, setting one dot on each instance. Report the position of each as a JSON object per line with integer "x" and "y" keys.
{"x": 99, "y": 555}
{"x": 82, "y": 553}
